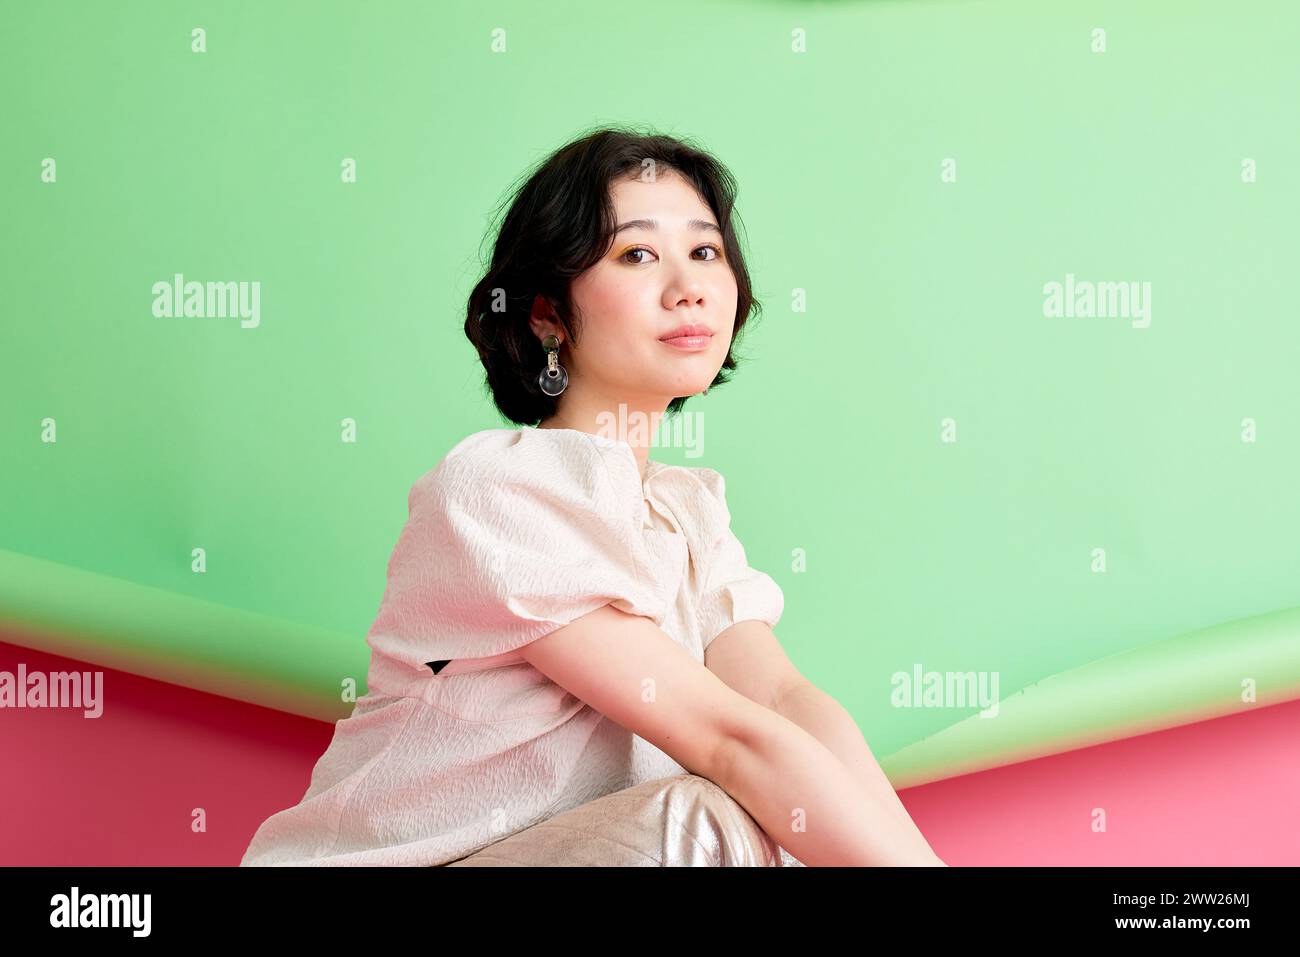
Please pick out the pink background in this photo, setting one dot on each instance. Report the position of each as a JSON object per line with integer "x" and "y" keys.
{"x": 120, "y": 789}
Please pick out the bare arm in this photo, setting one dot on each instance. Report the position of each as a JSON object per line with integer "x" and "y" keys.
{"x": 827, "y": 720}
{"x": 809, "y": 802}
{"x": 750, "y": 659}
{"x": 797, "y": 790}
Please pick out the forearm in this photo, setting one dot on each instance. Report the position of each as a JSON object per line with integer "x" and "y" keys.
{"x": 827, "y": 720}
{"x": 809, "y": 801}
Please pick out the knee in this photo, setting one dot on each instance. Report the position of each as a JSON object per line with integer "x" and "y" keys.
{"x": 706, "y": 826}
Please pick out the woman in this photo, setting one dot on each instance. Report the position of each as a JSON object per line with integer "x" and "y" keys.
{"x": 572, "y": 657}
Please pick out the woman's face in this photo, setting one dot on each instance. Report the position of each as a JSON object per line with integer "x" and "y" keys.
{"x": 664, "y": 269}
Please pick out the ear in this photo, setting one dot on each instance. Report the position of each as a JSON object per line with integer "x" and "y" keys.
{"x": 542, "y": 320}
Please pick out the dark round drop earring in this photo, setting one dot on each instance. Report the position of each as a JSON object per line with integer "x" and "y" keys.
{"x": 553, "y": 379}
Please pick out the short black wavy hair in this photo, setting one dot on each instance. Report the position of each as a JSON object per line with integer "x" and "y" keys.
{"x": 560, "y": 222}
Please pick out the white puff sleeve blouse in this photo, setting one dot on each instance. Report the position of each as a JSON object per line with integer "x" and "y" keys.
{"x": 459, "y": 741}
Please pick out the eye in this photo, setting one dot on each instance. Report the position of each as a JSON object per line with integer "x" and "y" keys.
{"x": 717, "y": 254}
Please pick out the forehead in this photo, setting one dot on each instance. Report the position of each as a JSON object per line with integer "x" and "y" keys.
{"x": 668, "y": 198}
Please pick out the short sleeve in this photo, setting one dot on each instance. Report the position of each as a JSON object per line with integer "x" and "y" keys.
{"x": 733, "y": 590}
{"x": 502, "y": 546}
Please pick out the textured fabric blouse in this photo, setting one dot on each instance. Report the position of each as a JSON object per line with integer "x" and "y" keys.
{"x": 459, "y": 741}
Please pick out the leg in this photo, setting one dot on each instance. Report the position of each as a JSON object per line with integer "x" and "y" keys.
{"x": 679, "y": 821}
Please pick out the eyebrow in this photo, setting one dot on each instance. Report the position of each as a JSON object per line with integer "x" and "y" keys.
{"x": 652, "y": 224}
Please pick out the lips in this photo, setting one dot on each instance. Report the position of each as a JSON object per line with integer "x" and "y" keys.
{"x": 687, "y": 332}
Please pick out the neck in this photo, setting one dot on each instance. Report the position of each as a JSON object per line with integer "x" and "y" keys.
{"x": 635, "y": 426}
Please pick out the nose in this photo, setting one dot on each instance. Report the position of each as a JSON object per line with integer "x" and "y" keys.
{"x": 689, "y": 297}
{"x": 684, "y": 288}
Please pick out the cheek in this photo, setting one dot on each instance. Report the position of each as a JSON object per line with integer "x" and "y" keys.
{"x": 614, "y": 310}
{"x": 727, "y": 299}
{"x": 730, "y": 295}
{"x": 609, "y": 291}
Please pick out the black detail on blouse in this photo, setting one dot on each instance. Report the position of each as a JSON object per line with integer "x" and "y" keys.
{"x": 438, "y": 665}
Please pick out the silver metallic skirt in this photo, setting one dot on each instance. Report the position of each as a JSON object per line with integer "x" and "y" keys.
{"x": 679, "y": 821}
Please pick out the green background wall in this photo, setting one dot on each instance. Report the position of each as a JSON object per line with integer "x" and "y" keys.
{"x": 925, "y": 301}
